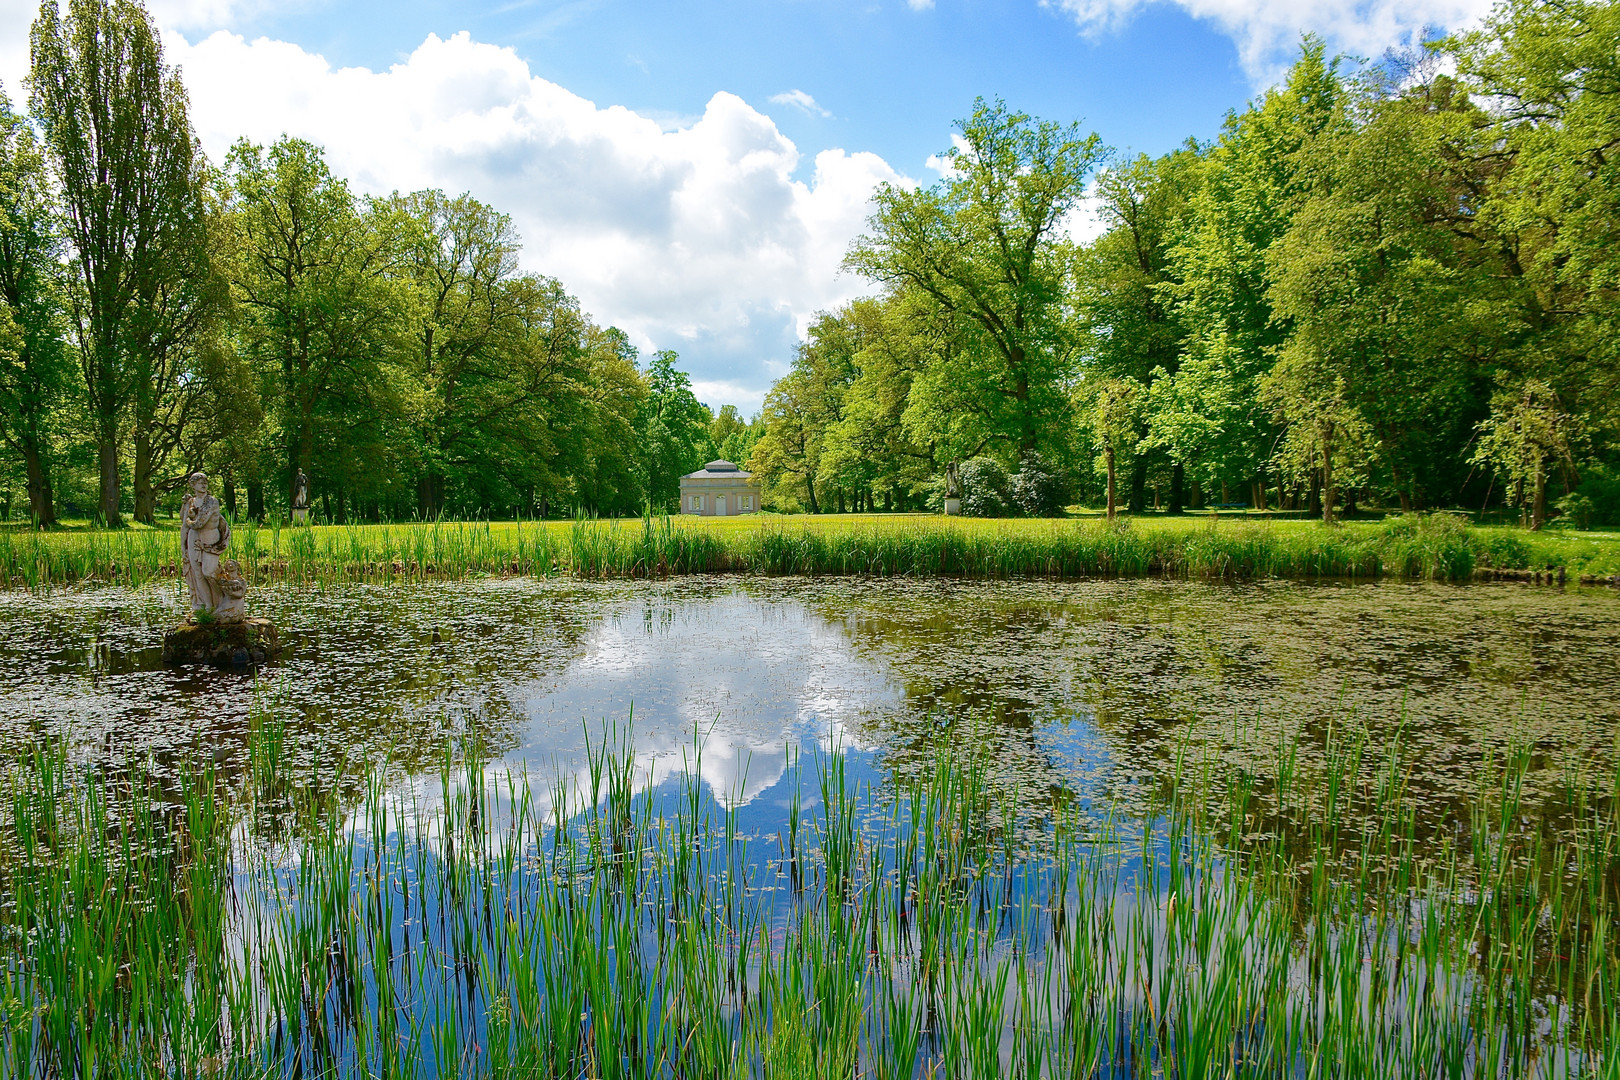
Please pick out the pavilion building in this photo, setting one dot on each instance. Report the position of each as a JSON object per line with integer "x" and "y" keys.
{"x": 719, "y": 489}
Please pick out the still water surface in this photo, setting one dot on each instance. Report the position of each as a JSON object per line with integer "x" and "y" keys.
{"x": 1076, "y": 683}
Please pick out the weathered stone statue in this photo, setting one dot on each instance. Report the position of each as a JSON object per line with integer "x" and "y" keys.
{"x": 219, "y": 631}
{"x": 300, "y": 497}
{"x": 204, "y": 535}
{"x": 953, "y": 489}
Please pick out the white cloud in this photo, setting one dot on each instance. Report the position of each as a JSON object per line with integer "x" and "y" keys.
{"x": 701, "y": 238}
{"x": 802, "y": 101}
{"x": 1085, "y": 222}
{"x": 1267, "y": 31}
{"x": 920, "y": 5}
{"x": 17, "y": 17}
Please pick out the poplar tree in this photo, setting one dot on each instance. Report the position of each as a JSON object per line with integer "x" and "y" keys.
{"x": 35, "y": 371}
{"x": 131, "y": 182}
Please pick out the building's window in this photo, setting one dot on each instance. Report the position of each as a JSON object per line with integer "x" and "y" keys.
{"x": 747, "y": 502}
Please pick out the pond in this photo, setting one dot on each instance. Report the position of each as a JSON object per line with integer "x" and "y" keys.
{"x": 1061, "y": 683}
{"x": 735, "y": 901}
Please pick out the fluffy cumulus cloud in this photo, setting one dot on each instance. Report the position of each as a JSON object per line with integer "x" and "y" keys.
{"x": 706, "y": 238}
{"x": 17, "y": 16}
{"x": 1267, "y": 31}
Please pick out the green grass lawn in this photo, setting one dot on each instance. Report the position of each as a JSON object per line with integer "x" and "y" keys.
{"x": 920, "y": 545}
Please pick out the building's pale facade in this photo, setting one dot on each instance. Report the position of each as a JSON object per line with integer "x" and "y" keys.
{"x": 719, "y": 489}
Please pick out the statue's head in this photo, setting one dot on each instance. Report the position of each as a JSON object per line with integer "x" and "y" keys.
{"x": 198, "y": 482}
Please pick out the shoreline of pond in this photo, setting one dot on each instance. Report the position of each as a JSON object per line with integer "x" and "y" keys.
{"x": 1436, "y": 547}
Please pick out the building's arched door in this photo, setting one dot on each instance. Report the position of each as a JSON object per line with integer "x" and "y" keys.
{"x": 720, "y": 505}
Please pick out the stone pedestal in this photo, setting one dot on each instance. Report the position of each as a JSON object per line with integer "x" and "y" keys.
{"x": 247, "y": 644}
{"x": 300, "y": 515}
{"x": 953, "y": 506}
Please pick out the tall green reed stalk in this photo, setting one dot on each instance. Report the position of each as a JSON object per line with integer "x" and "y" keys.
{"x": 1435, "y": 547}
{"x": 602, "y": 927}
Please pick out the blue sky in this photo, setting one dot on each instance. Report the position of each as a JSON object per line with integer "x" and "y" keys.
{"x": 693, "y": 172}
{"x": 892, "y": 78}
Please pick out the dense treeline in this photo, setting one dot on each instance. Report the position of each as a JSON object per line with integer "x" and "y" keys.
{"x": 1391, "y": 284}
{"x": 253, "y": 317}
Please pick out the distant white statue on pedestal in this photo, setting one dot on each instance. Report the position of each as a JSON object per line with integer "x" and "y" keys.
{"x": 300, "y": 497}
{"x": 204, "y": 535}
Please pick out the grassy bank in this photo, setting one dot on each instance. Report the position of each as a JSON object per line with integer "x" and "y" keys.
{"x": 494, "y": 927}
{"x": 1436, "y": 547}
{"x": 908, "y": 546}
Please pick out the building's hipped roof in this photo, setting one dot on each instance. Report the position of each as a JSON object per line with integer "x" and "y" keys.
{"x": 718, "y": 470}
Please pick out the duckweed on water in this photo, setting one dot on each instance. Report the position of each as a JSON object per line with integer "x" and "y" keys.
{"x": 492, "y": 926}
{"x": 1437, "y": 547}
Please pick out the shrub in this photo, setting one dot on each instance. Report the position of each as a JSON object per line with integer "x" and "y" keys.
{"x": 1036, "y": 490}
{"x": 1577, "y": 509}
{"x": 1601, "y": 487}
{"x": 984, "y": 487}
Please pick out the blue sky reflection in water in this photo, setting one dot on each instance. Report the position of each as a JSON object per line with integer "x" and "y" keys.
{"x": 1055, "y": 680}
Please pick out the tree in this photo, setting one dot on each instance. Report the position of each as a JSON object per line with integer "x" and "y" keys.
{"x": 115, "y": 125}
{"x": 672, "y": 429}
{"x": 1383, "y": 285}
{"x": 985, "y": 244}
{"x": 1527, "y": 432}
{"x": 35, "y": 371}
{"x": 323, "y": 304}
{"x": 1124, "y": 287}
{"x": 607, "y": 475}
{"x": 1326, "y": 434}
{"x": 1114, "y": 406}
{"x": 462, "y": 260}
{"x": 789, "y": 453}
{"x": 1550, "y": 73}
{"x": 1208, "y": 412}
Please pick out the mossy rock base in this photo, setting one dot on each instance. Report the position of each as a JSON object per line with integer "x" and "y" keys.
{"x": 250, "y": 643}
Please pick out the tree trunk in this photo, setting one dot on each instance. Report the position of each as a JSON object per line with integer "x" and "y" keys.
{"x": 41, "y": 495}
{"x": 1538, "y": 506}
{"x": 255, "y": 494}
{"x": 145, "y": 496}
{"x": 1178, "y": 484}
{"x": 227, "y": 493}
{"x": 107, "y": 460}
{"x": 1327, "y": 477}
{"x": 428, "y": 495}
{"x": 1139, "y": 468}
{"x": 1108, "y": 456}
{"x": 810, "y": 486}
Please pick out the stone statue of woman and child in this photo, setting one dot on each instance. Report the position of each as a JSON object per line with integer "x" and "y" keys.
{"x": 219, "y": 631}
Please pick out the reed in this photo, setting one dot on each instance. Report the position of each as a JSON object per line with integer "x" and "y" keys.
{"x": 593, "y": 927}
{"x": 1435, "y": 547}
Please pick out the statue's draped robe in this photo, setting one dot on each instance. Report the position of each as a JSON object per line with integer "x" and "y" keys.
{"x": 204, "y": 533}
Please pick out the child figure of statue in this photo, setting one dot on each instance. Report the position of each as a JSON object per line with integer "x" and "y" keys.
{"x": 204, "y": 534}
{"x": 232, "y": 588}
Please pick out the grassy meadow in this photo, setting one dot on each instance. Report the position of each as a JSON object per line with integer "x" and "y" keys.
{"x": 495, "y": 925}
{"x": 1197, "y": 546}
